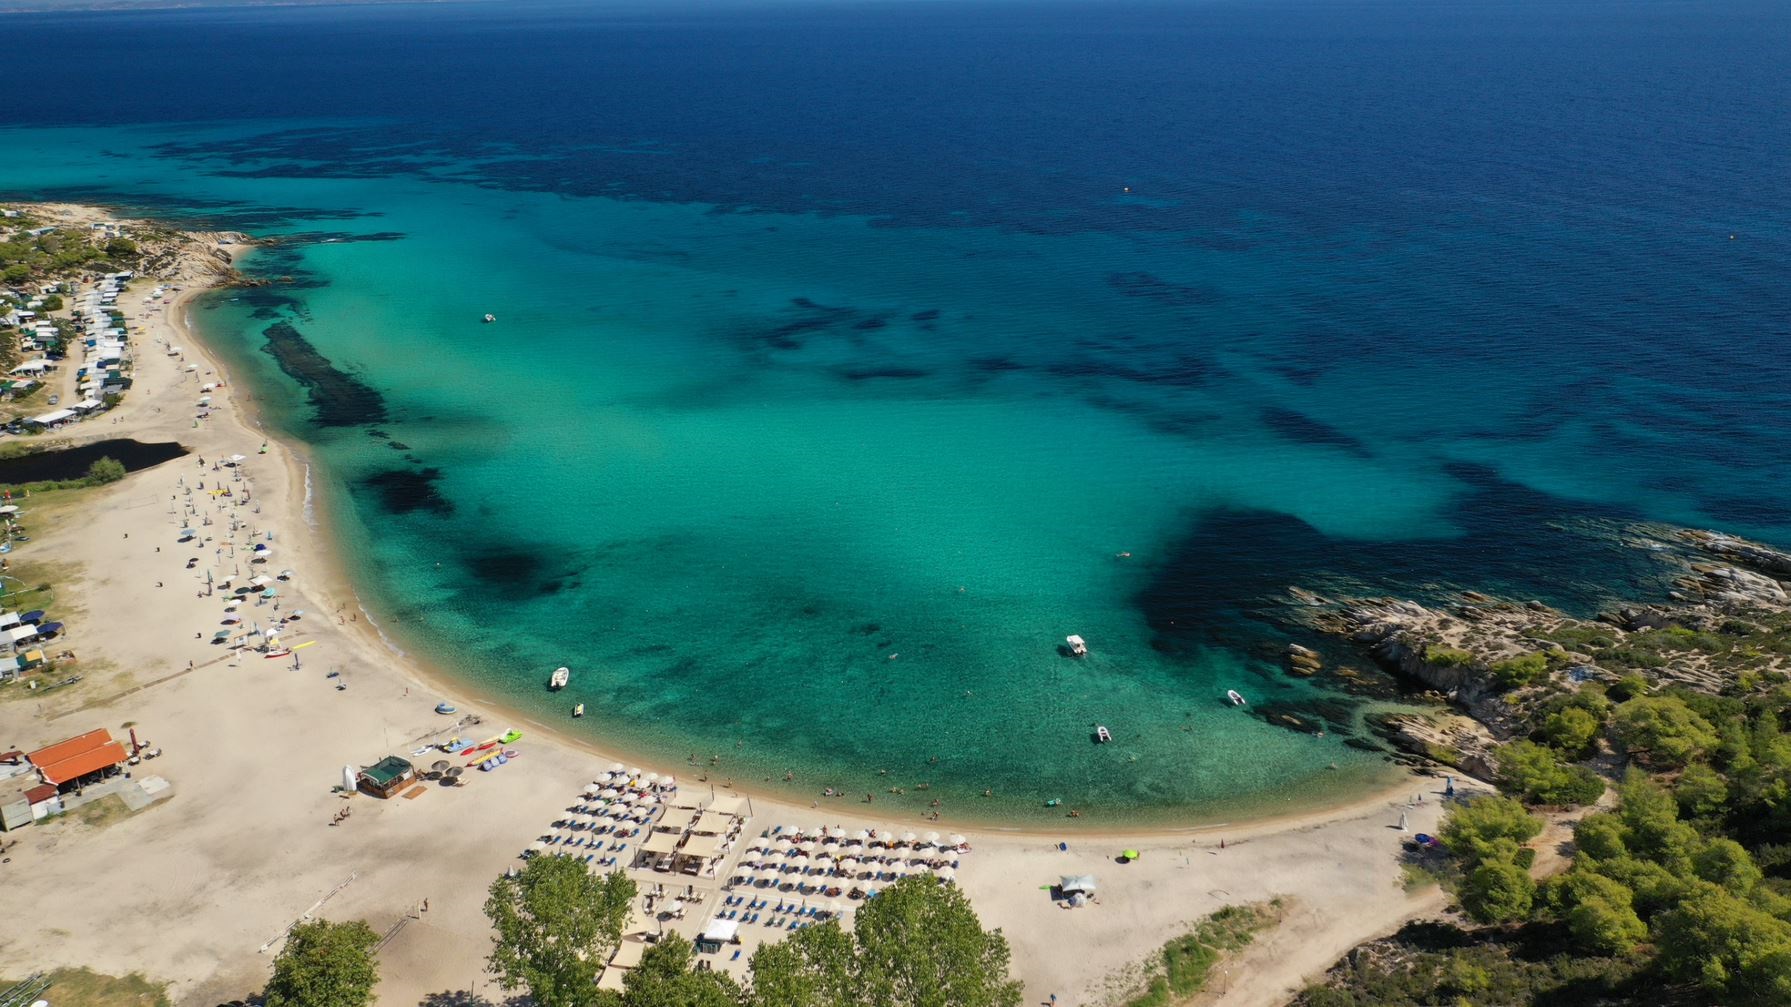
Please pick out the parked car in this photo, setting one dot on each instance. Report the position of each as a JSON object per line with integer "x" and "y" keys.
{"x": 55, "y": 399}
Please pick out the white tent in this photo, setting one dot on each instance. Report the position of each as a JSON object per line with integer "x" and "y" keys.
{"x": 348, "y": 777}
{"x": 721, "y": 931}
{"x": 1077, "y": 883}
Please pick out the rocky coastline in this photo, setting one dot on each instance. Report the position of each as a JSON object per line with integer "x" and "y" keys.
{"x": 1485, "y": 663}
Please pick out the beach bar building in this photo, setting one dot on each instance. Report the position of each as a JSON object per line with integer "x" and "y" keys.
{"x": 79, "y": 761}
{"x": 387, "y": 777}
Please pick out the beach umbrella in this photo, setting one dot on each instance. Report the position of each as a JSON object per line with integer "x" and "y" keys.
{"x": 931, "y": 839}
{"x": 837, "y": 832}
{"x": 668, "y": 783}
{"x": 592, "y": 790}
{"x": 947, "y": 874}
{"x": 808, "y": 846}
{"x": 861, "y": 835}
{"x": 1130, "y": 854}
{"x": 650, "y": 779}
{"x": 955, "y": 839}
{"x": 908, "y": 837}
{"x": 441, "y": 765}
{"x": 615, "y": 767}
{"x": 607, "y": 792}
{"x": 633, "y": 771}
{"x": 270, "y": 593}
{"x": 537, "y": 846}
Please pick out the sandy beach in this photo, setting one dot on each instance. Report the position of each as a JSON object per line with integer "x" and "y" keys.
{"x": 197, "y": 888}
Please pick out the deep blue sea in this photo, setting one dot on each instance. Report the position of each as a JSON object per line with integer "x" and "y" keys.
{"x": 850, "y": 355}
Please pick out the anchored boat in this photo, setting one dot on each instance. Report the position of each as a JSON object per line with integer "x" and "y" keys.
{"x": 559, "y": 678}
{"x": 1102, "y": 735}
{"x": 1236, "y": 699}
{"x": 1078, "y": 646}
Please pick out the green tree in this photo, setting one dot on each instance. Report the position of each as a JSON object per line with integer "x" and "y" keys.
{"x": 325, "y": 964}
{"x": 664, "y": 978}
{"x": 1521, "y": 670}
{"x": 1498, "y": 891}
{"x": 1701, "y": 791}
{"x": 1488, "y": 828}
{"x": 105, "y": 470}
{"x": 18, "y": 272}
{"x": 917, "y": 944}
{"x": 121, "y": 248}
{"x": 556, "y": 924}
{"x": 1535, "y": 773}
{"x": 1652, "y": 828}
{"x": 1726, "y": 863}
{"x": 1727, "y": 946}
{"x": 1601, "y": 836}
{"x": 1661, "y": 731}
{"x": 1599, "y": 911}
{"x": 813, "y": 967}
{"x": 921, "y": 945}
{"x": 1572, "y": 730}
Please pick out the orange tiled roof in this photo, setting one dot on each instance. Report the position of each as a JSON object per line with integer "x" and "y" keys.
{"x": 74, "y": 767}
{"x": 70, "y": 748}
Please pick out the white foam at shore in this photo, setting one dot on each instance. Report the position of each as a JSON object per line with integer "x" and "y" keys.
{"x": 309, "y": 510}
{"x": 391, "y": 645}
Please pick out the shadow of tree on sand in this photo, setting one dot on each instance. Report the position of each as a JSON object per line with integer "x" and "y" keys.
{"x": 467, "y": 998}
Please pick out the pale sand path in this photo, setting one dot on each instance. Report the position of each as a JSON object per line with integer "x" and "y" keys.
{"x": 191, "y": 888}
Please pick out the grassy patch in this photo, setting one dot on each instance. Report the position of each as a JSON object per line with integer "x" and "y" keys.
{"x": 91, "y": 989}
{"x": 1183, "y": 966}
{"x": 94, "y": 814}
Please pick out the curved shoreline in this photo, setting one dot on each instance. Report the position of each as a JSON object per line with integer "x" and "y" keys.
{"x": 332, "y": 585}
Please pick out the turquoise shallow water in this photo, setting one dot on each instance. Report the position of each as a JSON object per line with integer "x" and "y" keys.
{"x": 838, "y": 374}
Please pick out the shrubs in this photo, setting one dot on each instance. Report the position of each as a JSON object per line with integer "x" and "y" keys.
{"x": 105, "y": 470}
{"x": 1515, "y": 672}
{"x": 1571, "y": 730}
{"x": 1538, "y": 776}
{"x": 1661, "y": 731}
{"x": 1489, "y": 828}
{"x": 1498, "y": 891}
{"x": 1447, "y": 657}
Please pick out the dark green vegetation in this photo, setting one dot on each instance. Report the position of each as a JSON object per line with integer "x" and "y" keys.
{"x": 1185, "y": 964}
{"x": 24, "y": 256}
{"x": 325, "y": 964}
{"x": 917, "y": 944}
{"x": 1680, "y": 894}
{"x": 557, "y": 924}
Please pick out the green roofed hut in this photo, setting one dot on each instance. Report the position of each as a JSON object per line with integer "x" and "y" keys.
{"x": 387, "y": 776}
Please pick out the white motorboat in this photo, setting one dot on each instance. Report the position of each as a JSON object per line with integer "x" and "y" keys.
{"x": 1078, "y": 646}
{"x": 1102, "y": 735}
{"x": 1236, "y": 699}
{"x": 490, "y": 318}
{"x": 579, "y": 710}
{"x": 559, "y": 678}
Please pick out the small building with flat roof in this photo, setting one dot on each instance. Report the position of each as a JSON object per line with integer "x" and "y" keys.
{"x": 387, "y": 776}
